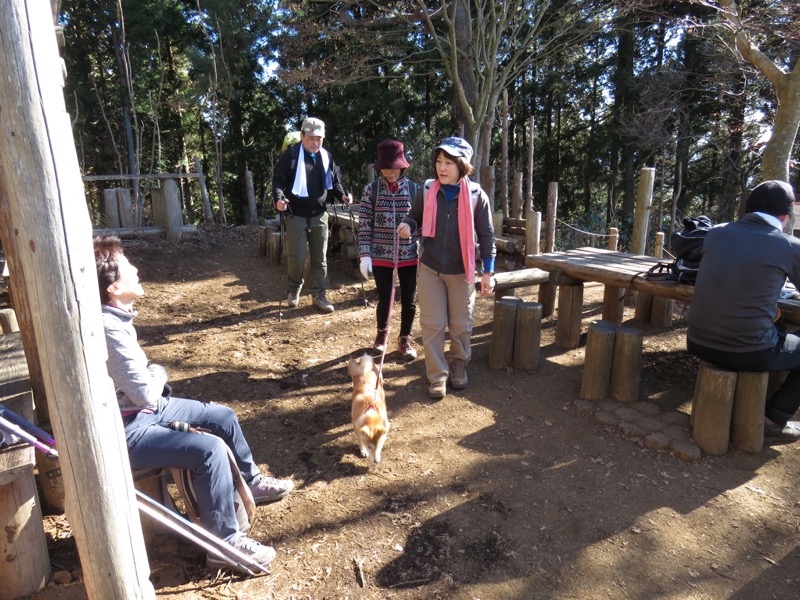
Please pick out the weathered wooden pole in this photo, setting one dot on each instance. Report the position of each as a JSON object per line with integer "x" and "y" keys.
{"x": 208, "y": 216}
{"x": 47, "y": 235}
{"x": 529, "y": 174}
{"x": 504, "y": 196}
{"x": 516, "y": 196}
{"x": 533, "y": 232}
{"x": 547, "y": 291}
{"x": 641, "y": 212}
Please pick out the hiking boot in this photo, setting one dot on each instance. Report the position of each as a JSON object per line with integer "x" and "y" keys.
{"x": 256, "y": 551}
{"x": 437, "y": 390}
{"x": 268, "y": 489}
{"x": 321, "y": 302}
{"x": 293, "y": 299}
{"x": 458, "y": 376}
{"x": 380, "y": 340}
{"x": 405, "y": 347}
{"x": 789, "y": 432}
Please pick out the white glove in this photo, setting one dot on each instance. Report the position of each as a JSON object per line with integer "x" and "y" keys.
{"x": 366, "y": 267}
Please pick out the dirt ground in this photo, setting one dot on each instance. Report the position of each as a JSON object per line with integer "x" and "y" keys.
{"x": 499, "y": 491}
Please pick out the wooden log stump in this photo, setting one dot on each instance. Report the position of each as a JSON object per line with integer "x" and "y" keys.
{"x": 24, "y": 563}
{"x": 747, "y": 424}
{"x": 274, "y": 248}
{"x": 502, "y": 344}
{"x": 712, "y": 409}
{"x": 547, "y": 298}
{"x": 151, "y": 483}
{"x": 644, "y": 308}
{"x": 8, "y": 320}
{"x": 597, "y": 361}
{"x": 661, "y": 311}
{"x": 570, "y": 310}
{"x": 527, "y": 336}
{"x": 626, "y": 370}
{"x": 613, "y": 307}
{"x": 262, "y": 241}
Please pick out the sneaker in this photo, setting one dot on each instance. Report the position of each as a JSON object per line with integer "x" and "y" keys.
{"x": 790, "y": 431}
{"x": 380, "y": 340}
{"x": 405, "y": 347}
{"x": 256, "y": 551}
{"x": 437, "y": 390}
{"x": 458, "y": 376}
{"x": 293, "y": 299}
{"x": 321, "y": 302}
{"x": 269, "y": 489}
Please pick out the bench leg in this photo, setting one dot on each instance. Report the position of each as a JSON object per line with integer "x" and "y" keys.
{"x": 712, "y": 408}
{"x": 747, "y": 426}
{"x": 570, "y": 312}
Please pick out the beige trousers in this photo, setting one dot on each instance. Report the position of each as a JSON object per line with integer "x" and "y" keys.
{"x": 445, "y": 301}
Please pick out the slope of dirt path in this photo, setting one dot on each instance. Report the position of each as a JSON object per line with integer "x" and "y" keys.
{"x": 501, "y": 490}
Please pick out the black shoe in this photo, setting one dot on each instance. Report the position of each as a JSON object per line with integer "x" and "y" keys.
{"x": 790, "y": 431}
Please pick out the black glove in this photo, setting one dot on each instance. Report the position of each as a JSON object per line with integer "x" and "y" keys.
{"x": 167, "y": 391}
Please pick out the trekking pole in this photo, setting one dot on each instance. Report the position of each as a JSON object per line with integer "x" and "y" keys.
{"x": 40, "y": 434}
{"x": 24, "y": 435}
{"x": 281, "y": 227}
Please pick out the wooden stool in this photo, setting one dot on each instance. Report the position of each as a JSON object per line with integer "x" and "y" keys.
{"x": 153, "y": 483}
{"x": 728, "y": 407}
{"x": 24, "y": 563}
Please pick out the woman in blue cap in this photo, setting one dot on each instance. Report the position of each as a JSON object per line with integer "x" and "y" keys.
{"x": 451, "y": 214}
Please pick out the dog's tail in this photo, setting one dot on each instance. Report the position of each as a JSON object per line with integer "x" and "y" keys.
{"x": 360, "y": 366}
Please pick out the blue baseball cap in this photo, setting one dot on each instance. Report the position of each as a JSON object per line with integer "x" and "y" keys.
{"x": 457, "y": 147}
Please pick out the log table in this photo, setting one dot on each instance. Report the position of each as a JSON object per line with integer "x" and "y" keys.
{"x": 617, "y": 271}
{"x": 24, "y": 563}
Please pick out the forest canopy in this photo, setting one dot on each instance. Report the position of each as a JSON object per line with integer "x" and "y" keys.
{"x": 596, "y": 90}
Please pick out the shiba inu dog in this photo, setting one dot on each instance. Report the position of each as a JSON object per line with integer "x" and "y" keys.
{"x": 368, "y": 411}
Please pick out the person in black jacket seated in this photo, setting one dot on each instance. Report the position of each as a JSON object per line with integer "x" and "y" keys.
{"x": 732, "y": 317}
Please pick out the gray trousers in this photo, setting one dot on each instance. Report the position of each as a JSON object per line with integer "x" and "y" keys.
{"x": 152, "y": 444}
{"x": 304, "y": 236}
{"x": 445, "y": 301}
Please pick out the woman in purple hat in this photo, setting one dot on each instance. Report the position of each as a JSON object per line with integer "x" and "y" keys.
{"x": 384, "y": 202}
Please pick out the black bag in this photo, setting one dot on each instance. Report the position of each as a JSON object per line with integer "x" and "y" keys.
{"x": 687, "y": 248}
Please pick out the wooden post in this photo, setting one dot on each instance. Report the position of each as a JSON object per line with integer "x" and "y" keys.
{"x": 46, "y": 234}
{"x": 658, "y": 245}
{"x": 597, "y": 361}
{"x": 208, "y": 216}
{"x": 547, "y": 291}
{"x": 170, "y": 209}
{"x": 111, "y": 208}
{"x": 501, "y": 348}
{"x": 533, "y": 232}
{"x": 613, "y": 239}
{"x": 747, "y": 424}
{"x": 661, "y": 308}
{"x": 713, "y": 405}
{"x": 613, "y": 307}
{"x": 527, "y": 336}
{"x": 262, "y": 241}
{"x": 274, "y": 247}
{"x": 8, "y": 320}
{"x": 252, "y": 211}
{"x": 570, "y": 310}
{"x": 626, "y": 371}
{"x": 497, "y": 223}
{"x": 641, "y": 212}
{"x": 644, "y": 308}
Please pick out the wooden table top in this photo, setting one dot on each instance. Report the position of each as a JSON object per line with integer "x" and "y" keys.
{"x": 622, "y": 269}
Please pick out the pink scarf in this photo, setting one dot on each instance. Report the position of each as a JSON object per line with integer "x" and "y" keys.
{"x": 466, "y": 223}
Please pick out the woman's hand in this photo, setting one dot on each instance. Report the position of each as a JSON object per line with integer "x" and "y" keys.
{"x": 404, "y": 230}
{"x": 487, "y": 284}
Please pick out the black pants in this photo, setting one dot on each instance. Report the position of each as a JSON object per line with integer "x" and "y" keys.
{"x": 785, "y": 356}
{"x": 407, "y": 277}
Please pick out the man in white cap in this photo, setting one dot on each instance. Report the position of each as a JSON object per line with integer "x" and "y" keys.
{"x": 305, "y": 179}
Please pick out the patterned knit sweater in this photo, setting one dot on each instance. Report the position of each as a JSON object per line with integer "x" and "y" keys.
{"x": 377, "y": 225}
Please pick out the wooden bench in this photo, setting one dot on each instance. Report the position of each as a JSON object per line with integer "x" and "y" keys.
{"x": 24, "y": 562}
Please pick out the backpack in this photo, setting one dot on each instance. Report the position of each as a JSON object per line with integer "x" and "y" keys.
{"x": 687, "y": 248}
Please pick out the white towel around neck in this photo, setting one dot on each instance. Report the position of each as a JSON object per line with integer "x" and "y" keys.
{"x": 300, "y": 187}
